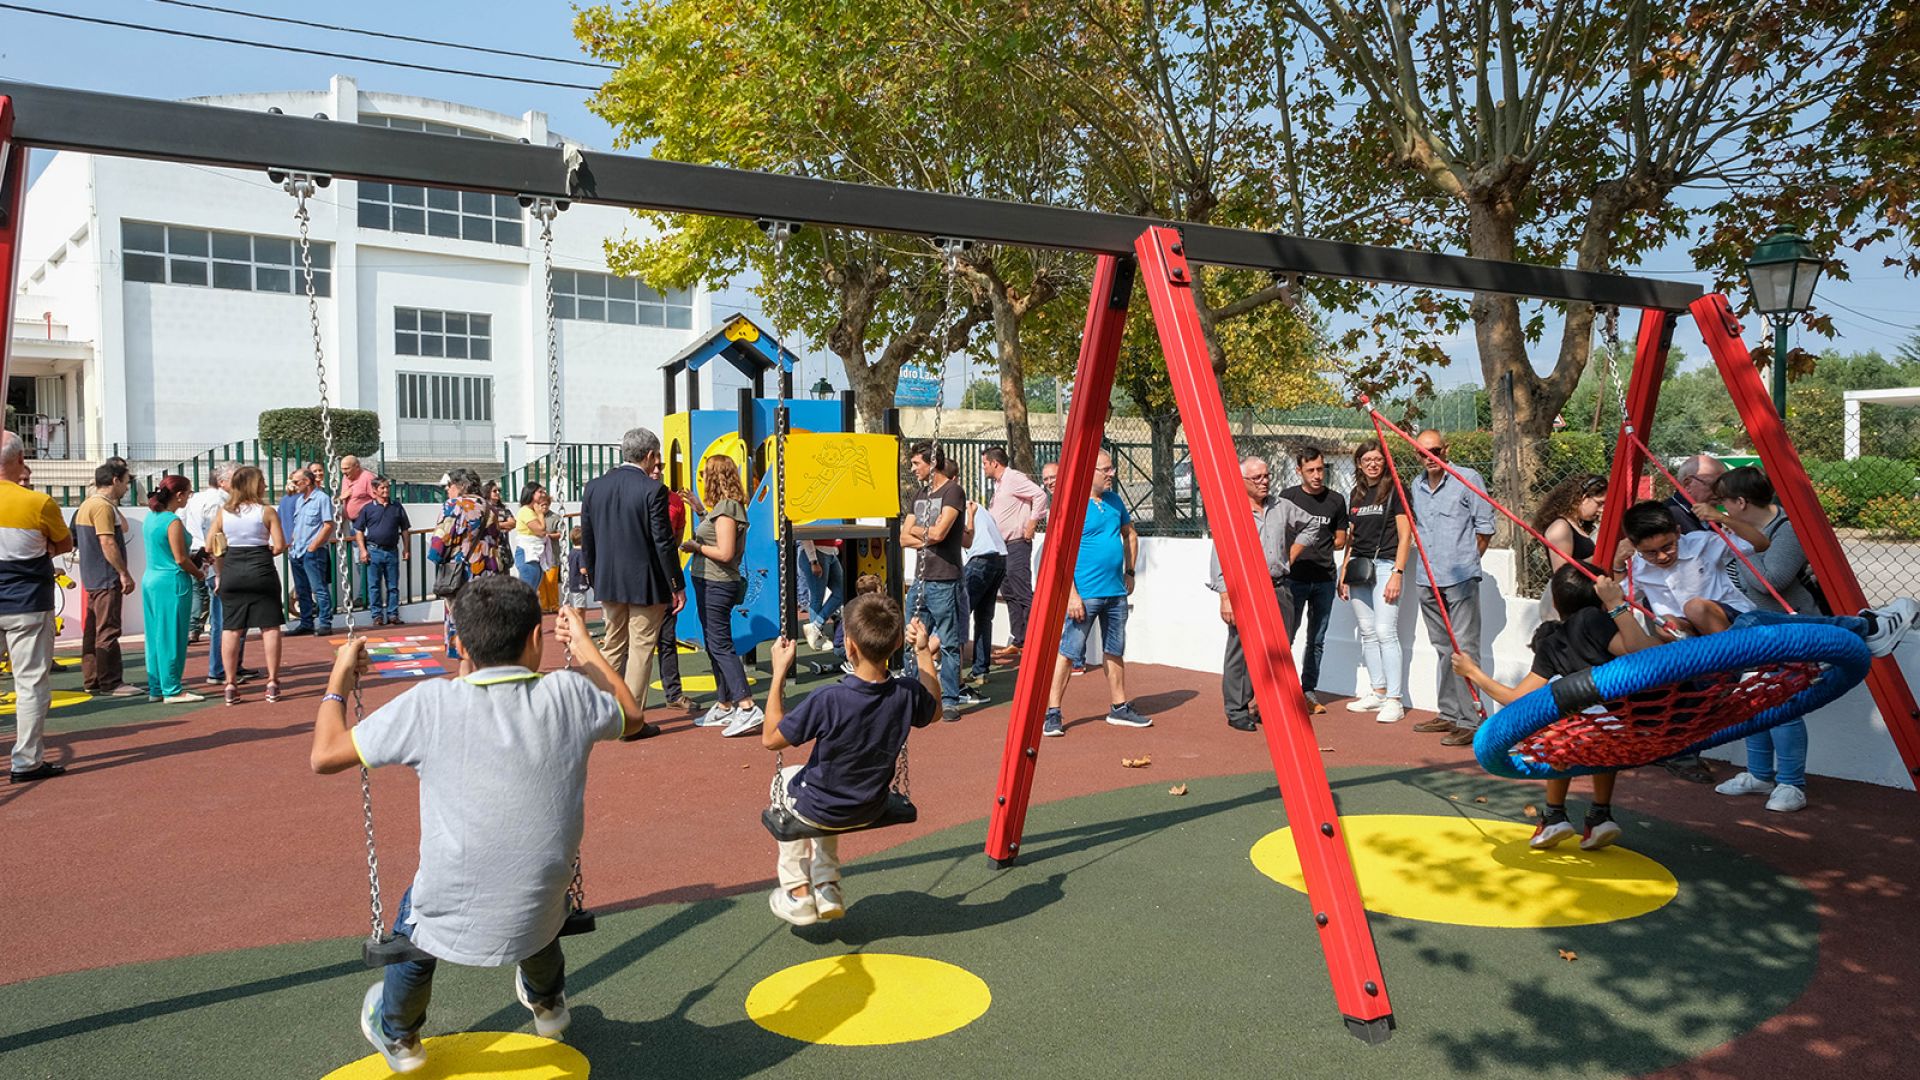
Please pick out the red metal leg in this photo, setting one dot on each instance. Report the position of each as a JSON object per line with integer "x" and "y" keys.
{"x": 1086, "y": 418}
{"x": 13, "y": 199}
{"x": 1722, "y": 333}
{"x": 1644, "y": 380}
{"x": 1333, "y": 894}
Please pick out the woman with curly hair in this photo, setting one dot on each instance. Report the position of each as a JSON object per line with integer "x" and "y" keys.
{"x": 716, "y": 546}
{"x": 1570, "y": 516}
{"x": 470, "y": 534}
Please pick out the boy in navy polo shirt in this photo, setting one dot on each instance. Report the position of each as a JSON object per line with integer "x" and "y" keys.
{"x": 379, "y": 532}
{"x": 857, "y": 727}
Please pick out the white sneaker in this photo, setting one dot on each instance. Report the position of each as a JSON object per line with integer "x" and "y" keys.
{"x": 815, "y": 637}
{"x": 743, "y": 722}
{"x": 798, "y": 910}
{"x": 185, "y": 697}
{"x": 1367, "y": 702}
{"x": 1546, "y": 836}
{"x": 1745, "y": 784}
{"x": 1787, "y": 798}
{"x": 1890, "y": 625}
{"x": 402, "y": 1057}
{"x": 720, "y": 715}
{"x": 548, "y": 1022}
{"x": 1600, "y": 835}
{"x": 827, "y": 901}
{"x": 1391, "y": 711}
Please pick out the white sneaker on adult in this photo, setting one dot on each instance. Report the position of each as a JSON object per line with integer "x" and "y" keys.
{"x": 827, "y": 901}
{"x": 816, "y": 637}
{"x": 1891, "y": 624}
{"x": 1787, "y": 798}
{"x": 798, "y": 910}
{"x": 549, "y": 1021}
{"x": 1367, "y": 702}
{"x": 1745, "y": 784}
{"x": 1391, "y": 711}
{"x": 743, "y": 722}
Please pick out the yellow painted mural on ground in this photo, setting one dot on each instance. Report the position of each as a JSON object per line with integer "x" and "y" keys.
{"x": 837, "y": 475}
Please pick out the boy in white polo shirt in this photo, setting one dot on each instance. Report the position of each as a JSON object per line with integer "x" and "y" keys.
{"x": 502, "y": 759}
{"x": 1683, "y": 576}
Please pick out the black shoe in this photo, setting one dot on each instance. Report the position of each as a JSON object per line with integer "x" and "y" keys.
{"x": 647, "y": 731}
{"x": 1249, "y": 724}
{"x": 297, "y": 631}
{"x": 246, "y": 675}
{"x": 39, "y": 772}
{"x": 1690, "y": 768}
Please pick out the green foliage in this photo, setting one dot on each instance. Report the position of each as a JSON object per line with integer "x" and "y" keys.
{"x": 355, "y": 431}
{"x": 982, "y": 394}
{"x": 1847, "y": 488}
{"x": 1892, "y": 516}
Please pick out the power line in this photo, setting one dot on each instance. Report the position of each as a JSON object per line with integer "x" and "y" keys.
{"x": 390, "y": 37}
{"x": 1871, "y": 318}
{"x": 297, "y": 49}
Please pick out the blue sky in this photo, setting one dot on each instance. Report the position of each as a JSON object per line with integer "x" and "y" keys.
{"x": 1878, "y": 309}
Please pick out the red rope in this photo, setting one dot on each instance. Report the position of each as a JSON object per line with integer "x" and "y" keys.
{"x": 1491, "y": 501}
{"x": 1433, "y": 583}
{"x": 1627, "y": 430}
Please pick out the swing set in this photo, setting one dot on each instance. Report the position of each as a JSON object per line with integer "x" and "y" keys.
{"x": 1163, "y": 257}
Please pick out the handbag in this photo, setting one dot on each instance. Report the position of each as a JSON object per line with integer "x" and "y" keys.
{"x": 216, "y": 545}
{"x": 451, "y": 576}
{"x": 1359, "y": 573}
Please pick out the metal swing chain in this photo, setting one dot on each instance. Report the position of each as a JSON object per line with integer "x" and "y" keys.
{"x": 546, "y": 210}
{"x": 1610, "y": 331}
{"x": 302, "y": 187}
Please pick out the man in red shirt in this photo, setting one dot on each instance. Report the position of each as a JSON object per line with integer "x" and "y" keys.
{"x": 356, "y": 491}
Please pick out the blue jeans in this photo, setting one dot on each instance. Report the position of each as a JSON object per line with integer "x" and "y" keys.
{"x": 310, "y": 585}
{"x": 409, "y": 984}
{"x": 825, "y": 592}
{"x": 1111, "y": 613}
{"x": 216, "y": 664}
{"x": 716, "y": 600}
{"x": 526, "y": 569}
{"x": 383, "y": 581}
{"x": 1379, "y": 624}
{"x": 983, "y": 576}
{"x": 1779, "y": 755}
{"x": 1313, "y": 605}
{"x": 941, "y": 603}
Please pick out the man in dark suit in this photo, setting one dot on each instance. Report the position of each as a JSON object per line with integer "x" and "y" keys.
{"x": 630, "y": 551}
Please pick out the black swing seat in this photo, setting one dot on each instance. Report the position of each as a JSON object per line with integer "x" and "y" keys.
{"x": 397, "y": 949}
{"x": 784, "y": 824}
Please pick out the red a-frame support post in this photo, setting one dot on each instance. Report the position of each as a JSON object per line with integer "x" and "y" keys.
{"x": 1333, "y": 893}
{"x": 13, "y": 198}
{"x": 1782, "y": 462}
{"x": 1644, "y": 379}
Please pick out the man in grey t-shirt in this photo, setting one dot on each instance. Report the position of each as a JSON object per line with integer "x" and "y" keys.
{"x": 502, "y": 760}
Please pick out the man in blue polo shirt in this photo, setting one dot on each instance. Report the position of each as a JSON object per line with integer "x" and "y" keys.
{"x": 1456, "y": 525}
{"x": 309, "y": 541}
{"x": 380, "y": 533}
{"x": 1102, "y": 581}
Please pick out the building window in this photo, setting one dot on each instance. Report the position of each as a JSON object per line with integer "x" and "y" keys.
{"x": 582, "y": 294}
{"x": 455, "y": 335}
{"x": 456, "y": 398}
{"x": 178, "y": 255}
{"x": 458, "y": 215}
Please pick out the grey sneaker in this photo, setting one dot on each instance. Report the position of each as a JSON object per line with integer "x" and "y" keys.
{"x": 1054, "y": 725}
{"x": 403, "y": 1055}
{"x": 798, "y": 910}
{"x": 1122, "y": 715}
{"x": 968, "y": 697}
{"x": 1889, "y": 625}
{"x": 549, "y": 1021}
{"x": 744, "y": 721}
{"x": 719, "y": 716}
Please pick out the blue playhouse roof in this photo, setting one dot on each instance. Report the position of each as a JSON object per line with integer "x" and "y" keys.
{"x": 741, "y": 342}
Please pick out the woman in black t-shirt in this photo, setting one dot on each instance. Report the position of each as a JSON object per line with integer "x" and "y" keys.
{"x": 1596, "y": 625}
{"x": 1379, "y": 536}
{"x": 1570, "y": 516}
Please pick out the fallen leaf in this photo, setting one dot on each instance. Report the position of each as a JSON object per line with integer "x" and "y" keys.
{"x": 1480, "y": 798}
{"x": 1177, "y": 789}
{"x": 1569, "y": 955}
{"x": 1453, "y": 798}
{"x": 1530, "y": 810}
{"x": 1326, "y": 749}
{"x": 1136, "y": 762}
{"x": 746, "y": 766}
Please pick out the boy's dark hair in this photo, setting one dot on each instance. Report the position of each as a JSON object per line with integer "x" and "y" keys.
{"x": 1572, "y": 590}
{"x": 1646, "y": 520}
{"x": 866, "y": 583}
{"x": 576, "y": 536}
{"x": 950, "y": 469}
{"x": 1746, "y": 482}
{"x": 874, "y": 625}
{"x": 495, "y": 613}
{"x": 1305, "y": 455}
{"x": 995, "y": 454}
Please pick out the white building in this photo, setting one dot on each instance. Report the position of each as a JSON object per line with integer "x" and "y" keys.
{"x": 163, "y": 310}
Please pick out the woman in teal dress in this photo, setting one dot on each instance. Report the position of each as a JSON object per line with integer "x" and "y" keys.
{"x": 166, "y": 592}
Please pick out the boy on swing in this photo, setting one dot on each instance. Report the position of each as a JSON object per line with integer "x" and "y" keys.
{"x": 502, "y": 758}
{"x": 857, "y": 727}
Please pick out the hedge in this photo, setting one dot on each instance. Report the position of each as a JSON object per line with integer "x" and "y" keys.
{"x": 355, "y": 431}
{"x": 1847, "y": 487}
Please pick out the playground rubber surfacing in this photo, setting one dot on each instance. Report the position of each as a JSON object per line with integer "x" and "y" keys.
{"x": 169, "y": 927}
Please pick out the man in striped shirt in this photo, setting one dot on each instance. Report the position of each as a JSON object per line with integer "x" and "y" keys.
{"x": 31, "y": 534}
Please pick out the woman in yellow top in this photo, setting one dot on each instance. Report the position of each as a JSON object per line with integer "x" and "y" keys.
{"x": 531, "y": 535}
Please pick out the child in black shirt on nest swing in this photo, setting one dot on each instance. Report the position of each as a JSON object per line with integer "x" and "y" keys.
{"x": 1595, "y": 626}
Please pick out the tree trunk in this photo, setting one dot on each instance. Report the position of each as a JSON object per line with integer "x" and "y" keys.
{"x": 1013, "y": 381}
{"x": 1162, "y": 427}
{"x": 1523, "y": 405}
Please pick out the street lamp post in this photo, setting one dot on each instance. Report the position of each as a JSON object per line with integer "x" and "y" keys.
{"x": 1781, "y": 274}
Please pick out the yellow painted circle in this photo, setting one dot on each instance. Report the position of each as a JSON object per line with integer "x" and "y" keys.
{"x": 494, "y": 1054}
{"x": 699, "y": 684}
{"x": 868, "y": 999}
{"x": 61, "y": 699}
{"x": 1479, "y": 872}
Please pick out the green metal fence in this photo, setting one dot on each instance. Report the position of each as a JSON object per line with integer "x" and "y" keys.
{"x": 276, "y": 460}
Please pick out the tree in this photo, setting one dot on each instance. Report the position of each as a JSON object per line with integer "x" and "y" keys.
{"x": 981, "y": 394}
{"x": 1566, "y": 132}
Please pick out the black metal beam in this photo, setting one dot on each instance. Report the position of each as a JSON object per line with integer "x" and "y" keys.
{"x": 61, "y": 119}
